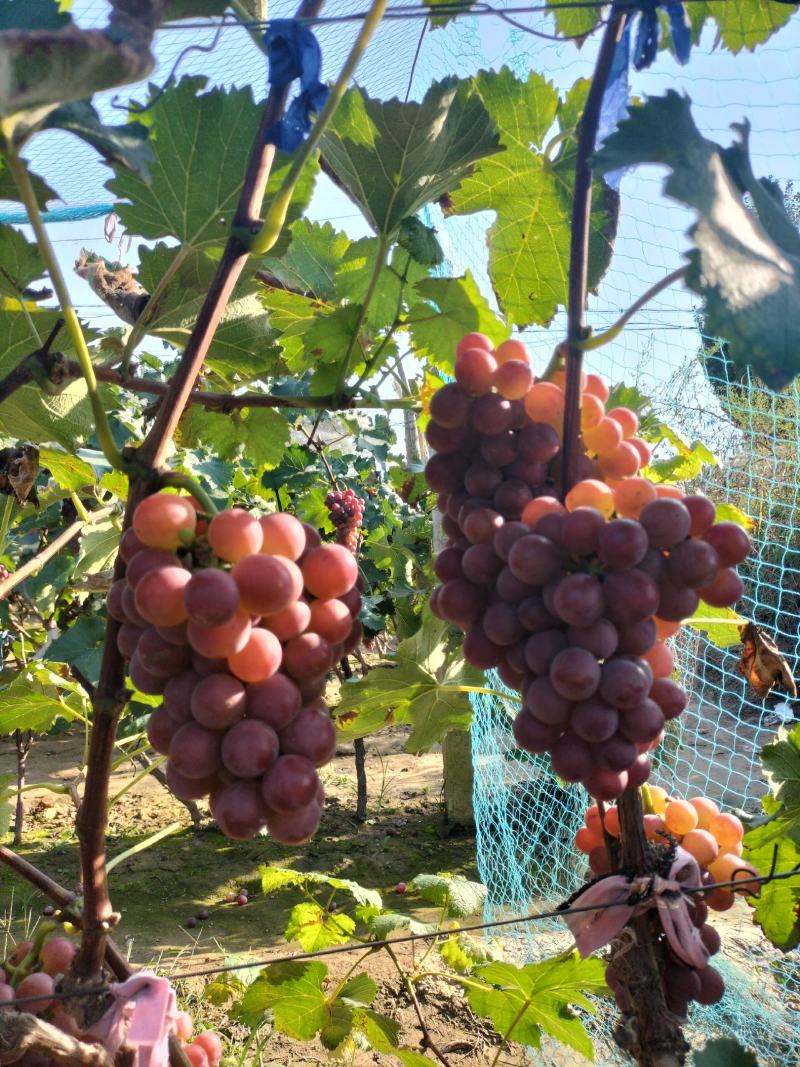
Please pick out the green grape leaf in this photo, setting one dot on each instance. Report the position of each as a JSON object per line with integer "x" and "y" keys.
{"x": 313, "y": 928}
{"x": 576, "y": 21}
{"x": 521, "y": 1002}
{"x": 781, "y": 761}
{"x": 190, "y": 129}
{"x": 354, "y": 273}
{"x": 20, "y": 262}
{"x": 81, "y": 645}
{"x": 777, "y": 909}
{"x": 67, "y": 470}
{"x": 530, "y": 192}
{"x": 98, "y": 551}
{"x": 742, "y": 25}
{"x": 462, "y": 952}
{"x": 29, "y": 704}
{"x": 126, "y": 145}
{"x": 259, "y": 435}
{"x": 458, "y": 895}
{"x": 361, "y": 989}
{"x": 750, "y": 284}
{"x": 724, "y": 1052}
{"x": 382, "y": 1033}
{"x": 293, "y": 993}
{"x": 720, "y": 625}
{"x": 310, "y": 263}
{"x": 339, "y": 1026}
{"x": 420, "y": 242}
{"x": 291, "y": 316}
{"x": 9, "y": 191}
{"x": 687, "y": 463}
{"x": 382, "y": 925}
{"x": 730, "y": 513}
{"x": 243, "y": 348}
{"x": 274, "y": 878}
{"x": 449, "y": 308}
{"x": 392, "y": 158}
{"x": 33, "y": 15}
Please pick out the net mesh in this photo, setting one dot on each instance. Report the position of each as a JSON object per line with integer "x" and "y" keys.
{"x": 526, "y": 820}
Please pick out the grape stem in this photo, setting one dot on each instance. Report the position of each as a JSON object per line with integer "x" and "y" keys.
{"x": 19, "y": 173}
{"x": 5, "y": 521}
{"x": 380, "y": 261}
{"x": 597, "y": 340}
{"x": 177, "y": 480}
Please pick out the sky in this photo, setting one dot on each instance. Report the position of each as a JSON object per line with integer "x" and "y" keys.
{"x": 762, "y": 86}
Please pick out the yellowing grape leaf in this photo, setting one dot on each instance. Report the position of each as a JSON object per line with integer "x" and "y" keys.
{"x": 313, "y": 928}
{"x": 293, "y": 993}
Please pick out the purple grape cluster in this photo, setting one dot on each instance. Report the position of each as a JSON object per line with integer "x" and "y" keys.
{"x": 347, "y": 513}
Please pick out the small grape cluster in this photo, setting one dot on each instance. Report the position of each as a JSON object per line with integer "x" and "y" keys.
{"x": 714, "y": 838}
{"x": 236, "y": 622}
{"x": 4, "y": 572}
{"x": 347, "y": 513}
{"x": 572, "y": 602}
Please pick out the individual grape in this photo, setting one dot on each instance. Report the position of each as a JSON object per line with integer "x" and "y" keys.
{"x": 596, "y": 387}
{"x": 19, "y": 952}
{"x": 581, "y": 529}
{"x": 712, "y": 986}
{"x": 269, "y": 584}
{"x": 730, "y": 542}
{"x": 603, "y": 438}
{"x": 594, "y": 721}
{"x": 239, "y": 810}
{"x": 702, "y": 512}
{"x": 460, "y": 601}
{"x": 631, "y": 495}
{"x": 211, "y": 597}
{"x": 533, "y": 474}
{"x": 474, "y": 370}
{"x": 535, "y": 617}
{"x": 310, "y": 734}
{"x": 551, "y": 526}
{"x": 534, "y": 559}
{"x": 545, "y": 403}
{"x": 724, "y": 590}
{"x": 211, "y": 1043}
{"x": 292, "y": 621}
{"x": 601, "y": 638}
{"x": 160, "y": 730}
{"x": 513, "y": 379}
{"x": 129, "y": 606}
{"x": 504, "y": 539}
{"x": 129, "y": 544}
{"x": 538, "y": 443}
{"x": 275, "y": 701}
{"x": 159, "y": 596}
{"x": 660, "y": 659}
{"x": 710, "y": 937}
{"x": 511, "y": 349}
{"x": 509, "y": 677}
{"x": 669, "y": 696}
{"x": 585, "y": 840}
{"x": 128, "y": 638}
{"x": 143, "y": 680}
{"x": 702, "y": 845}
{"x": 481, "y": 478}
{"x": 575, "y": 674}
{"x": 578, "y": 600}
{"x": 444, "y": 439}
{"x": 175, "y": 635}
{"x": 592, "y": 411}
{"x": 533, "y": 735}
{"x": 291, "y": 783}
{"x": 659, "y": 798}
{"x": 481, "y": 565}
{"x": 249, "y": 748}
{"x": 511, "y": 498}
{"x": 644, "y": 449}
{"x": 621, "y": 543}
{"x": 665, "y": 630}
{"x": 282, "y": 535}
{"x": 447, "y": 565}
{"x": 331, "y": 619}
{"x": 352, "y": 598}
{"x": 114, "y": 605}
{"x": 669, "y": 492}
{"x": 56, "y": 955}
{"x": 260, "y": 657}
{"x": 218, "y": 702}
{"x": 234, "y": 534}
{"x": 481, "y": 525}
{"x": 630, "y": 596}
{"x": 653, "y": 564}
{"x": 163, "y": 520}
{"x": 149, "y": 559}
{"x": 37, "y": 984}
{"x": 719, "y": 899}
{"x": 499, "y": 449}
{"x": 539, "y": 507}
{"x": 158, "y": 656}
{"x": 491, "y": 414}
{"x": 680, "y": 817}
{"x": 295, "y": 827}
{"x": 219, "y": 642}
{"x": 593, "y": 821}
{"x": 599, "y": 864}
{"x": 681, "y": 983}
{"x": 621, "y": 462}
{"x": 654, "y": 827}
{"x": 636, "y": 639}
{"x": 307, "y": 656}
{"x": 643, "y": 723}
{"x": 728, "y": 831}
{"x": 502, "y": 625}
{"x": 329, "y": 571}
{"x": 591, "y": 493}
{"x": 511, "y": 589}
{"x": 676, "y": 602}
{"x": 196, "y": 1055}
{"x": 545, "y": 704}
{"x": 571, "y": 758}
{"x": 542, "y": 648}
{"x": 611, "y": 821}
{"x": 606, "y": 784}
{"x": 693, "y": 564}
{"x": 639, "y": 771}
{"x": 479, "y": 650}
{"x": 666, "y": 522}
{"x": 188, "y": 788}
{"x": 450, "y": 406}
{"x": 624, "y": 683}
{"x": 706, "y": 811}
{"x": 628, "y": 420}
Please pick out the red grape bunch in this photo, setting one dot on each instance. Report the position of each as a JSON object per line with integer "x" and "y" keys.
{"x": 572, "y": 602}
{"x": 347, "y": 513}
{"x": 236, "y": 625}
{"x": 714, "y": 838}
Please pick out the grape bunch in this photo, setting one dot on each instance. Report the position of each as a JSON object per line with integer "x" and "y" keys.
{"x": 572, "y": 602}
{"x": 714, "y": 838}
{"x": 4, "y": 572}
{"x": 346, "y": 512}
{"x": 236, "y": 622}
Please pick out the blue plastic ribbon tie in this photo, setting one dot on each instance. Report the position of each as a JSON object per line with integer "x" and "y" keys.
{"x": 294, "y": 53}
